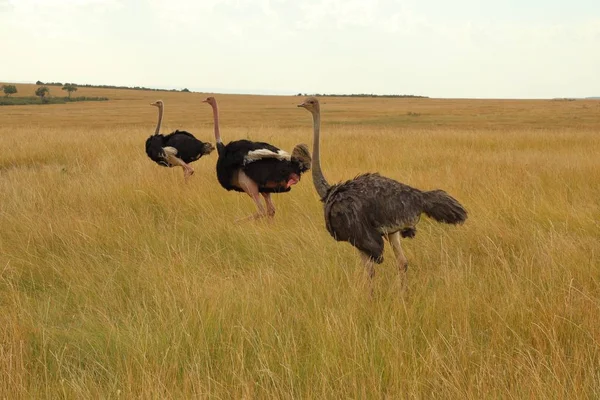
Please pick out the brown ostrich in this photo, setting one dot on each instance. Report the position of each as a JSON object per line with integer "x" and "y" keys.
{"x": 179, "y": 148}
{"x": 257, "y": 168}
{"x": 364, "y": 210}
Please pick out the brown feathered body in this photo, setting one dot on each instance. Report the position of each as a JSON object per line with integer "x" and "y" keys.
{"x": 360, "y": 211}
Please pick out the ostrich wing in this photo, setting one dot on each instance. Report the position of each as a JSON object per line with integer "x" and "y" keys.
{"x": 243, "y": 152}
{"x": 262, "y": 154}
{"x": 371, "y": 202}
{"x": 187, "y": 147}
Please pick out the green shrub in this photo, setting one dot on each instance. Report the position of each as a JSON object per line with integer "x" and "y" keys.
{"x": 19, "y": 101}
{"x": 9, "y": 89}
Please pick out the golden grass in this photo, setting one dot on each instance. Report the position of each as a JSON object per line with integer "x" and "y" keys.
{"x": 116, "y": 279}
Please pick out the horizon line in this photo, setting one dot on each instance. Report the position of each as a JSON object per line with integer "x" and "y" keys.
{"x": 262, "y": 92}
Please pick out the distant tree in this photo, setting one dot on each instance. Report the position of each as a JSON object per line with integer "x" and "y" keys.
{"x": 69, "y": 87}
{"x": 39, "y": 83}
{"x": 41, "y": 92}
{"x": 185, "y": 90}
{"x": 9, "y": 89}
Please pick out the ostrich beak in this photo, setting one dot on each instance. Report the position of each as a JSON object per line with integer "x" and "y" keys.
{"x": 301, "y": 105}
{"x": 205, "y": 101}
{"x": 209, "y": 148}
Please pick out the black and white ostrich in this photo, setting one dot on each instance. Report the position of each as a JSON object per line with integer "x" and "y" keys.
{"x": 178, "y": 148}
{"x": 364, "y": 210}
{"x": 257, "y": 168}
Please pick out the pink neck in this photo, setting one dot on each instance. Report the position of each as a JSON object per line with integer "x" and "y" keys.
{"x": 160, "y": 115}
{"x": 216, "y": 119}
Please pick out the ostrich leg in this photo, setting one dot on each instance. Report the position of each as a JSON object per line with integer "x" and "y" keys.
{"x": 369, "y": 264}
{"x": 394, "y": 240}
{"x": 251, "y": 189}
{"x": 187, "y": 170}
{"x": 174, "y": 160}
{"x": 269, "y": 203}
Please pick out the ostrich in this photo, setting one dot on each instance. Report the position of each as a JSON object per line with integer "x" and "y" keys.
{"x": 178, "y": 148}
{"x": 257, "y": 168}
{"x": 364, "y": 210}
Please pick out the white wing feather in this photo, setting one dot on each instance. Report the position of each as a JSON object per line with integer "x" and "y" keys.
{"x": 170, "y": 151}
{"x": 261, "y": 154}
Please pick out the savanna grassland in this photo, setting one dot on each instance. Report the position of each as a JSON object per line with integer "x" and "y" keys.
{"x": 119, "y": 280}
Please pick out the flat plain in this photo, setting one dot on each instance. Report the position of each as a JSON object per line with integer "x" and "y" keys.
{"x": 117, "y": 279}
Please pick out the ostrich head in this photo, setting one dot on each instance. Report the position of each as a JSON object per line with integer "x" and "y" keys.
{"x": 207, "y": 148}
{"x": 301, "y": 155}
{"x": 157, "y": 103}
{"x": 210, "y": 100}
{"x": 311, "y": 104}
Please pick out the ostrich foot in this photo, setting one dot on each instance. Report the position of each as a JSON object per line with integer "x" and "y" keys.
{"x": 188, "y": 172}
{"x": 255, "y": 216}
{"x": 269, "y": 204}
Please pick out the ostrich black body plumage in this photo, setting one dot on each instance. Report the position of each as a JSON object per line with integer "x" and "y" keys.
{"x": 257, "y": 168}
{"x": 178, "y": 148}
{"x": 270, "y": 174}
{"x": 365, "y": 210}
{"x": 189, "y": 149}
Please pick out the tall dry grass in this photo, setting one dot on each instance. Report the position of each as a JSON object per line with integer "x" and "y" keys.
{"x": 119, "y": 280}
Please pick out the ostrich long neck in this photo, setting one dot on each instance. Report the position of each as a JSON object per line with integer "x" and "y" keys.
{"x": 160, "y": 114}
{"x": 318, "y": 179}
{"x": 216, "y": 119}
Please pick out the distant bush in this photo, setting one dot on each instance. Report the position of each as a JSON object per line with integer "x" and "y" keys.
{"x": 85, "y": 98}
{"x": 365, "y": 95}
{"x": 49, "y": 83}
{"x": 41, "y": 92}
{"x": 127, "y": 88}
{"x": 109, "y": 86}
{"x": 9, "y": 89}
{"x": 19, "y": 101}
{"x": 9, "y": 101}
{"x": 69, "y": 88}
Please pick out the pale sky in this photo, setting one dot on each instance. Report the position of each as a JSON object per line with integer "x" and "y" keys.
{"x": 436, "y": 48}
